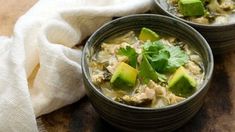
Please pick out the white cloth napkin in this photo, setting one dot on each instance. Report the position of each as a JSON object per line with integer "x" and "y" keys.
{"x": 40, "y": 70}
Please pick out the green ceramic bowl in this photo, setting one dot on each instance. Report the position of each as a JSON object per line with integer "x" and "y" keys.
{"x": 220, "y": 37}
{"x": 131, "y": 118}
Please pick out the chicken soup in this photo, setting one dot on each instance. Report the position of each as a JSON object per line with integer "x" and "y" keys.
{"x": 146, "y": 69}
{"x": 214, "y": 12}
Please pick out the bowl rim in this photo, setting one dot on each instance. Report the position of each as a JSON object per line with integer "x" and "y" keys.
{"x": 192, "y": 23}
{"x": 85, "y": 70}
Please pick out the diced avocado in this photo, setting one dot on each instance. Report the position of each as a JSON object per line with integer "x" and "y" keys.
{"x": 124, "y": 76}
{"x": 191, "y": 7}
{"x": 182, "y": 84}
{"x": 148, "y": 34}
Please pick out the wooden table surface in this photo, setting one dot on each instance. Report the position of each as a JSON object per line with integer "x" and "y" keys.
{"x": 216, "y": 115}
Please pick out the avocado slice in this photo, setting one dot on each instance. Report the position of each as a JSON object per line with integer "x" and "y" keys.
{"x": 148, "y": 34}
{"x": 191, "y": 7}
{"x": 182, "y": 84}
{"x": 124, "y": 76}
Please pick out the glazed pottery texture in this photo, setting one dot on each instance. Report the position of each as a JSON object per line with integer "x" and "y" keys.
{"x": 221, "y": 38}
{"x": 131, "y": 118}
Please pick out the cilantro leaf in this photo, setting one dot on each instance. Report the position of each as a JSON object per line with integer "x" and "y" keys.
{"x": 161, "y": 77}
{"x": 164, "y": 58}
{"x": 152, "y": 48}
{"x": 130, "y": 53}
{"x": 177, "y": 58}
{"x": 160, "y": 61}
{"x": 148, "y": 73}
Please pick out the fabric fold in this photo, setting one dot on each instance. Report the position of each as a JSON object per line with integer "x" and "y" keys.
{"x": 40, "y": 67}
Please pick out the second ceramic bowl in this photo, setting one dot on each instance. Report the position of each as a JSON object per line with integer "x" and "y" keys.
{"x": 221, "y": 38}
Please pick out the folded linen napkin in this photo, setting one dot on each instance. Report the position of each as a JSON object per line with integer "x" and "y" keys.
{"x": 40, "y": 70}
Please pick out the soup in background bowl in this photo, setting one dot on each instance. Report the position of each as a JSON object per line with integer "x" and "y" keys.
{"x": 215, "y": 21}
{"x": 213, "y": 12}
{"x": 147, "y": 72}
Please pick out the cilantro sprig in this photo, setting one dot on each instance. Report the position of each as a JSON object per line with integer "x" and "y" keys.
{"x": 164, "y": 58}
{"x": 148, "y": 73}
{"x": 130, "y": 53}
{"x": 160, "y": 58}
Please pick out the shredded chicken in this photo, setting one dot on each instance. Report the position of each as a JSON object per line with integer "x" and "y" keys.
{"x": 97, "y": 77}
{"x": 152, "y": 92}
{"x": 144, "y": 96}
{"x": 200, "y": 20}
{"x": 221, "y": 20}
{"x": 193, "y": 68}
{"x": 110, "y": 48}
{"x": 173, "y": 99}
{"x": 227, "y": 5}
{"x": 220, "y": 7}
{"x": 137, "y": 47}
{"x": 111, "y": 68}
{"x": 159, "y": 90}
{"x": 103, "y": 56}
{"x": 164, "y": 96}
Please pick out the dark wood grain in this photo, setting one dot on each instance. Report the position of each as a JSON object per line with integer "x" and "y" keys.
{"x": 216, "y": 115}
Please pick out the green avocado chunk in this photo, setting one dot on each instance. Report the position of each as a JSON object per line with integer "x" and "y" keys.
{"x": 148, "y": 34}
{"x": 191, "y": 7}
{"x": 182, "y": 84}
{"x": 124, "y": 76}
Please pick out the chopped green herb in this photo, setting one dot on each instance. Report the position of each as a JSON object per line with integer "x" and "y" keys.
{"x": 160, "y": 61}
{"x": 130, "y": 53}
{"x": 177, "y": 58}
{"x": 151, "y": 48}
{"x": 148, "y": 73}
{"x": 161, "y": 77}
{"x": 164, "y": 58}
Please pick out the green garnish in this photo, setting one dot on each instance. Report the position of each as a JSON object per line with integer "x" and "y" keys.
{"x": 157, "y": 58}
{"x": 177, "y": 58}
{"x": 148, "y": 73}
{"x": 130, "y": 53}
{"x": 164, "y": 58}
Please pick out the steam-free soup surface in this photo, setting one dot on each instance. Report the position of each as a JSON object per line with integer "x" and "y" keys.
{"x": 146, "y": 69}
{"x": 213, "y": 12}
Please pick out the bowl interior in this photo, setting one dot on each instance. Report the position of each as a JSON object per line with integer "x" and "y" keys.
{"x": 158, "y": 23}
